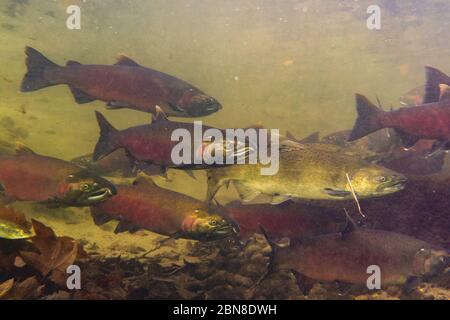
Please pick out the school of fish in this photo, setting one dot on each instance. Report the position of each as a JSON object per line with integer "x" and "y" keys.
{"x": 372, "y": 160}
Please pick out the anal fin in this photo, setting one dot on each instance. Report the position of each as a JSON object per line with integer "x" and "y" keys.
{"x": 80, "y": 96}
{"x": 246, "y": 193}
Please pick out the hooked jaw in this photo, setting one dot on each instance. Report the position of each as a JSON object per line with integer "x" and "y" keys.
{"x": 398, "y": 183}
{"x": 204, "y": 109}
{"x": 84, "y": 189}
{"x": 101, "y": 194}
{"x": 208, "y": 229}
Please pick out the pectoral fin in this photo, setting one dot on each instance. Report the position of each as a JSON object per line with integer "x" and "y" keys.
{"x": 53, "y": 203}
{"x": 99, "y": 217}
{"x": 124, "y": 226}
{"x": 247, "y": 194}
{"x": 337, "y": 193}
{"x": 160, "y": 116}
{"x": 113, "y": 105}
{"x": 411, "y": 284}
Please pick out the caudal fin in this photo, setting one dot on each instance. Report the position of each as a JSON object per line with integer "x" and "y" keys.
{"x": 367, "y": 121}
{"x": 434, "y": 78}
{"x": 37, "y": 64}
{"x": 105, "y": 144}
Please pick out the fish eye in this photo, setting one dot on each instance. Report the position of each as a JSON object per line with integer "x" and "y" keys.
{"x": 382, "y": 179}
{"x": 213, "y": 222}
{"x": 84, "y": 187}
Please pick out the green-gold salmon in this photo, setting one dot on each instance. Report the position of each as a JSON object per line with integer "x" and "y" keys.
{"x": 308, "y": 172}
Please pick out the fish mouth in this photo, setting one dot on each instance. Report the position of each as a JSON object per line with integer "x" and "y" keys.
{"x": 225, "y": 231}
{"x": 101, "y": 194}
{"x": 204, "y": 109}
{"x": 397, "y": 186}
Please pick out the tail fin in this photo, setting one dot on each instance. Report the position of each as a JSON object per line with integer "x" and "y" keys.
{"x": 367, "y": 121}
{"x": 36, "y": 63}
{"x": 434, "y": 78}
{"x": 105, "y": 144}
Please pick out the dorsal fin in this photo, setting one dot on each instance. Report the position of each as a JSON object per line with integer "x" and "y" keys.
{"x": 444, "y": 92}
{"x": 123, "y": 60}
{"x": 22, "y": 149}
{"x": 312, "y": 138}
{"x": 143, "y": 180}
{"x": 72, "y": 63}
{"x": 160, "y": 115}
{"x": 290, "y": 136}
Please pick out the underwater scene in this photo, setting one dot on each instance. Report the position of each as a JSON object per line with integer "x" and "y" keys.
{"x": 211, "y": 149}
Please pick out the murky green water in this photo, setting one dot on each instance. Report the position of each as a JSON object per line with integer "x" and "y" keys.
{"x": 290, "y": 65}
{"x": 293, "y": 65}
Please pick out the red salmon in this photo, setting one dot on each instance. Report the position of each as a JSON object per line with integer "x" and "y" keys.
{"x": 123, "y": 85}
{"x": 28, "y": 176}
{"x": 145, "y": 205}
{"x": 431, "y": 120}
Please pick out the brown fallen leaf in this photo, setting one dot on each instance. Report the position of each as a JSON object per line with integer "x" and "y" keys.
{"x": 27, "y": 289}
{"x": 54, "y": 254}
{"x": 5, "y": 287}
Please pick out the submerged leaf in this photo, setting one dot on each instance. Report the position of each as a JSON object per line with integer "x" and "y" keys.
{"x": 5, "y": 287}
{"x": 54, "y": 254}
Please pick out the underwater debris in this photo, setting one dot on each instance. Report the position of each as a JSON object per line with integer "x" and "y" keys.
{"x": 35, "y": 266}
{"x": 53, "y": 255}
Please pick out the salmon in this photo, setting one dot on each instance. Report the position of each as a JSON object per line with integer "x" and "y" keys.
{"x": 153, "y": 144}
{"x": 27, "y": 176}
{"x": 123, "y": 85}
{"x": 290, "y": 219}
{"x": 430, "y": 120}
{"x": 345, "y": 257}
{"x": 144, "y": 205}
